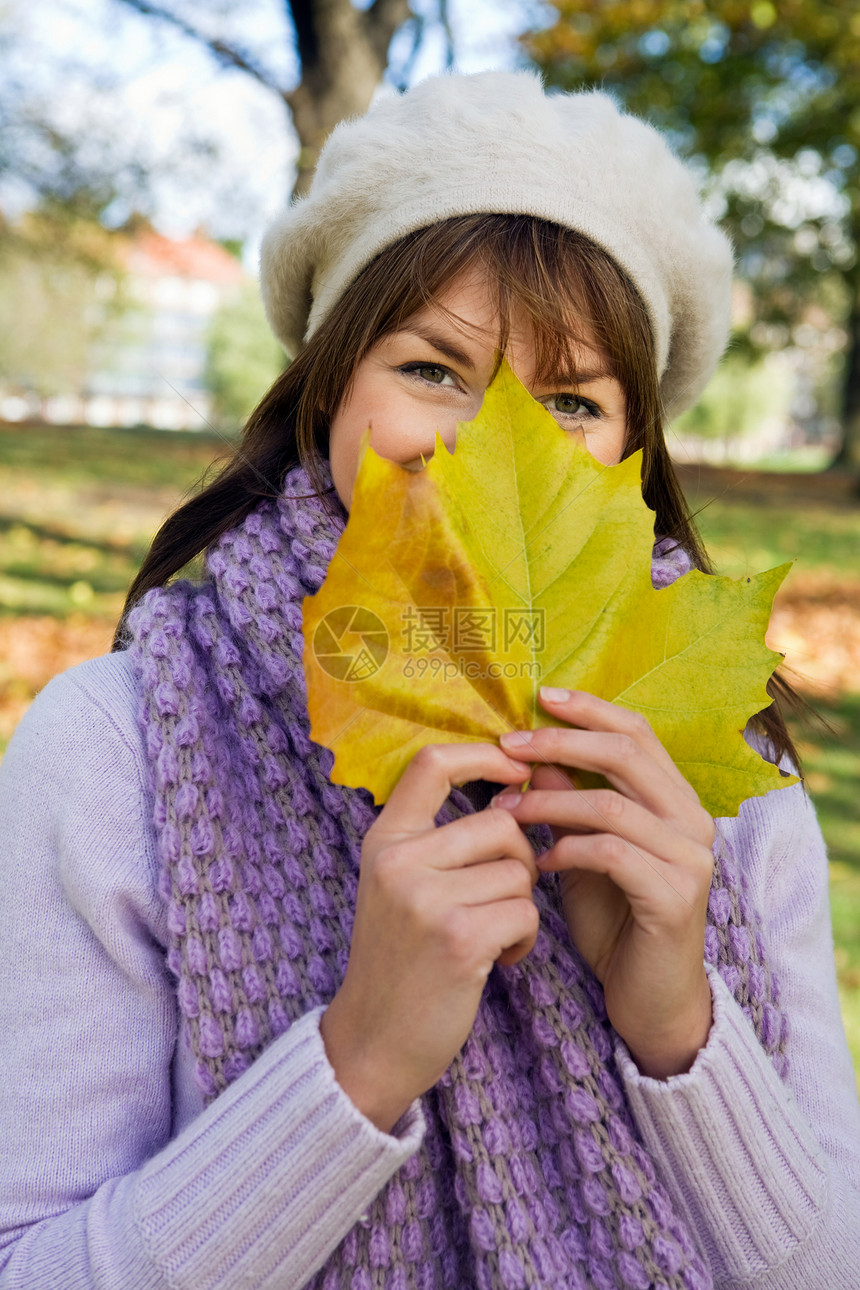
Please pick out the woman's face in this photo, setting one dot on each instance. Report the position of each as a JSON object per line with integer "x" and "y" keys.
{"x": 433, "y": 372}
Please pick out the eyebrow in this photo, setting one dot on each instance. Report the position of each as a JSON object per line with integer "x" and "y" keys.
{"x": 572, "y": 376}
{"x": 442, "y": 344}
{"x": 579, "y": 376}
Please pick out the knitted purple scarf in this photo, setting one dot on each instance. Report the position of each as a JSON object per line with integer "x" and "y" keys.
{"x": 531, "y": 1172}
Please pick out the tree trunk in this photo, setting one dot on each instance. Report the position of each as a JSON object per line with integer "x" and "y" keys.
{"x": 848, "y": 456}
{"x": 344, "y": 53}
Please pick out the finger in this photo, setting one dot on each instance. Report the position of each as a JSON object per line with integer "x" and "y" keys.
{"x": 643, "y": 876}
{"x": 434, "y": 771}
{"x": 591, "y": 713}
{"x": 485, "y": 884}
{"x": 602, "y": 810}
{"x": 507, "y": 928}
{"x": 619, "y": 757}
{"x": 474, "y": 840}
{"x": 547, "y": 775}
{"x": 514, "y": 953}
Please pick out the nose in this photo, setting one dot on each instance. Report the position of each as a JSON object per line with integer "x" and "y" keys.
{"x": 448, "y": 428}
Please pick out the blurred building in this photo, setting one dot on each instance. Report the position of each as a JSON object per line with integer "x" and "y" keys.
{"x": 148, "y": 367}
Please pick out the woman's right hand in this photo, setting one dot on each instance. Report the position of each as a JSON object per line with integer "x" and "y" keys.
{"x": 436, "y": 908}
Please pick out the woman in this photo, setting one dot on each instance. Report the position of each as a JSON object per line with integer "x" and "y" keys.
{"x": 267, "y": 1035}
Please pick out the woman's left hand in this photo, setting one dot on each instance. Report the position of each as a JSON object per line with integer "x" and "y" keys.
{"x": 636, "y": 863}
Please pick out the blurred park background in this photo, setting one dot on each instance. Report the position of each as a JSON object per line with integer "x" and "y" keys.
{"x": 144, "y": 147}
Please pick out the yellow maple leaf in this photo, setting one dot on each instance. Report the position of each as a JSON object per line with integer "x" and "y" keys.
{"x": 519, "y": 561}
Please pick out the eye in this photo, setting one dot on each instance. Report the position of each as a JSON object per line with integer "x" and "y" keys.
{"x": 571, "y": 407}
{"x": 432, "y": 373}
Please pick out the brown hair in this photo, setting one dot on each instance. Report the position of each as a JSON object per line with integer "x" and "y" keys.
{"x": 551, "y": 272}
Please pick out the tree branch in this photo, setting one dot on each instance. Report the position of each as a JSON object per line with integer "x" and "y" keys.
{"x": 404, "y": 71}
{"x": 307, "y": 36}
{"x": 226, "y": 54}
{"x": 381, "y": 21}
{"x": 445, "y": 21}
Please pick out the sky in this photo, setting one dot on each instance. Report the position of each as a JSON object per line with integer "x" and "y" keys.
{"x": 146, "y": 86}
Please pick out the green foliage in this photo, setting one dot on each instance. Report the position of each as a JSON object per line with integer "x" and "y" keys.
{"x": 721, "y": 76}
{"x": 764, "y": 96}
{"x": 61, "y": 287}
{"x": 739, "y": 398}
{"x": 47, "y": 151}
{"x": 243, "y": 358}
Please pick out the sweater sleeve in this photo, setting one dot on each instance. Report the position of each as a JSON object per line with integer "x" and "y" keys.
{"x": 96, "y": 1188}
{"x": 768, "y": 1173}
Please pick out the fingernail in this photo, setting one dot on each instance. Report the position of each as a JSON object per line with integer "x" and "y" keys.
{"x": 516, "y": 738}
{"x": 553, "y": 694}
{"x": 506, "y": 800}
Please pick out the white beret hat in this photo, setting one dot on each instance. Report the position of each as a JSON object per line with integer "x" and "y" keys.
{"x": 495, "y": 142}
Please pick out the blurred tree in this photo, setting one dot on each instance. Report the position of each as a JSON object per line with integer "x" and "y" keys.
{"x": 72, "y": 161}
{"x": 742, "y": 399}
{"x": 61, "y": 286}
{"x": 768, "y": 96}
{"x": 64, "y": 146}
{"x": 243, "y": 358}
{"x": 342, "y": 51}
{"x": 35, "y": 151}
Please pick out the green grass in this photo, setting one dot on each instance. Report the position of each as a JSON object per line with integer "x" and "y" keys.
{"x": 755, "y": 527}
{"x": 87, "y": 456}
{"x": 831, "y": 762}
{"x": 79, "y": 508}
{"x": 745, "y": 536}
{"x": 832, "y": 768}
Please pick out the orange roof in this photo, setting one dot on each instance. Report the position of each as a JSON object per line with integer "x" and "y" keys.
{"x": 152, "y": 255}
